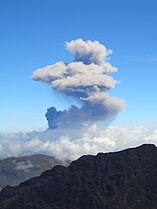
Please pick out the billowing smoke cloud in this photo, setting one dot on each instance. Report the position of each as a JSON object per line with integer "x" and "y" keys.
{"x": 75, "y": 132}
{"x": 88, "y": 78}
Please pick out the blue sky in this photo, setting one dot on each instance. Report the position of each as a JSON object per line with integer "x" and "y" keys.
{"x": 32, "y": 35}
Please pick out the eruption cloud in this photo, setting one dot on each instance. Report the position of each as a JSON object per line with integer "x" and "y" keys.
{"x": 87, "y": 78}
{"x": 75, "y": 132}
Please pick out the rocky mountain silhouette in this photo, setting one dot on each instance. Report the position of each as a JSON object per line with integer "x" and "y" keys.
{"x": 15, "y": 170}
{"x": 121, "y": 180}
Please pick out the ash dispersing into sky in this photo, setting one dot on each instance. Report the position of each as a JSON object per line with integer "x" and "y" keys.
{"x": 74, "y": 132}
{"x": 88, "y": 78}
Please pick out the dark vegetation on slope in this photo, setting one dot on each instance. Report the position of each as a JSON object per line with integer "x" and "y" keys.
{"x": 120, "y": 180}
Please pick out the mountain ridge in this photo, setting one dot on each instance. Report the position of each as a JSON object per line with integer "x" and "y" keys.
{"x": 116, "y": 180}
{"x": 14, "y": 170}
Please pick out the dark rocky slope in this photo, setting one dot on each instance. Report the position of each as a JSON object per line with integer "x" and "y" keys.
{"x": 120, "y": 180}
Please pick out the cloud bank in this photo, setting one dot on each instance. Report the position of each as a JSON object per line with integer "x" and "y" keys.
{"x": 65, "y": 145}
{"x": 88, "y": 78}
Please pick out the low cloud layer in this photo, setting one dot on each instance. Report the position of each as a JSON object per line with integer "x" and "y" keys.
{"x": 24, "y": 165}
{"x": 65, "y": 145}
{"x": 88, "y": 78}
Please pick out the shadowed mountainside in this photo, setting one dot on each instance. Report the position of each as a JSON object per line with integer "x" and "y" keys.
{"x": 15, "y": 170}
{"x": 120, "y": 180}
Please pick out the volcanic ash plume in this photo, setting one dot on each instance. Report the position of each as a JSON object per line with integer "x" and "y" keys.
{"x": 87, "y": 78}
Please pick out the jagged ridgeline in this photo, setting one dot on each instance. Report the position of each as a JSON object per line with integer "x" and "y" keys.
{"x": 120, "y": 180}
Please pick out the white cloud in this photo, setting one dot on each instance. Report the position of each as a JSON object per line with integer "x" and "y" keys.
{"x": 24, "y": 165}
{"x": 92, "y": 51}
{"x": 91, "y": 140}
